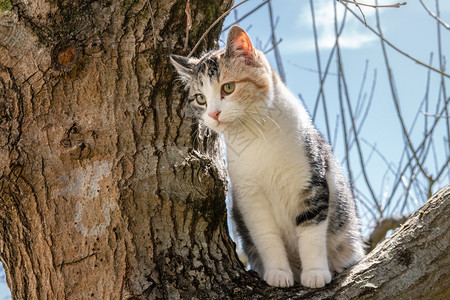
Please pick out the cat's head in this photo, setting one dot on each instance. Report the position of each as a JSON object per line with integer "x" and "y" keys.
{"x": 230, "y": 84}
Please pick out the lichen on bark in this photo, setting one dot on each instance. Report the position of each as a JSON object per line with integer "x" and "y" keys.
{"x": 5, "y": 6}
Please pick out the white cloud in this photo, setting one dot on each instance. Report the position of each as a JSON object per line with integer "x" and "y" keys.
{"x": 354, "y": 35}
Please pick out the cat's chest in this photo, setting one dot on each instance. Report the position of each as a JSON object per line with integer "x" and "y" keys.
{"x": 276, "y": 165}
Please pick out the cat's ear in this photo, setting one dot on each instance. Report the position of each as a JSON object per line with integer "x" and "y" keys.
{"x": 184, "y": 66}
{"x": 239, "y": 44}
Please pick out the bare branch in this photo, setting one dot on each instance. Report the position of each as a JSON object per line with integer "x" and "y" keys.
{"x": 435, "y": 16}
{"x": 372, "y": 5}
{"x": 342, "y": 82}
{"x": 396, "y": 48}
{"x": 212, "y": 25}
{"x": 427, "y": 114}
{"x": 245, "y": 16}
{"x": 275, "y": 46}
{"x": 382, "y": 227}
{"x": 188, "y": 24}
{"x": 357, "y": 4}
{"x": 319, "y": 67}
{"x": 295, "y": 65}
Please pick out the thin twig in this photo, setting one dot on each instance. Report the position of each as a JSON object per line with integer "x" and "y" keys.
{"x": 442, "y": 64}
{"x": 372, "y": 5}
{"x": 427, "y": 114}
{"x": 396, "y": 100}
{"x": 396, "y": 48}
{"x": 275, "y": 46}
{"x": 443, "y": 169}
{"x": 380, "y": 154}
{"x": 245, "y": 16}
{"x": 336, "y": 131}
{"x": 344, "y": 125}
{"x": 188, "y": 24}
{"x": 361, "y": 98}
{"x": 427, "y": 93}
{"x": 342, "y": 81}
{"x": 272, "y": 48}
{"x": 319, "y": 67}
{"x": 366, "y": 113}
{"x": 434, "y": 16}
{"x": 307, "y": 69}
{"x": 360, "y": 10}
{"x": 212, "y": 25}
{"x": 356, "y": 138}
{"x": 408, "y": 193}
{"x": 422, "y": 145}
{"x": 363, "y": 199}
{"x": 381, "y": 229}
{"x": 330, "y": 58}
{"x": 152, "y": 19}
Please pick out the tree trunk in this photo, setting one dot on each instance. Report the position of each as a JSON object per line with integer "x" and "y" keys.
{"x": 110, "y": 190}
{"x": 103, "y": 192}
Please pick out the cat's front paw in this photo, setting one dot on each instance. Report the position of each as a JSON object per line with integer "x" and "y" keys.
{"x": 316, "y": 278}
{"x": 279, "y": 278}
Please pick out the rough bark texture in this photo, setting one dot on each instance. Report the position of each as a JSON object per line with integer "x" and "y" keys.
{"x": 108, "y": 190}
{"x": 103, "y": 193}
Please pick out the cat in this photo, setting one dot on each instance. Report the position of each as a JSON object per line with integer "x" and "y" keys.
{"x": 292, "y": 206}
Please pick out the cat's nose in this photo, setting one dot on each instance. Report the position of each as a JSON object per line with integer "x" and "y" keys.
{"x": 215, "y": 115}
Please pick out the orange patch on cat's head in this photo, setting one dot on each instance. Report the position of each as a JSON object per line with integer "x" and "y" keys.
{"x": 242, "y": 41}
{"x": 239, "y": 45}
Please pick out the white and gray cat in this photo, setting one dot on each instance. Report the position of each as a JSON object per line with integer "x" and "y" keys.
{"x": 292, "y": 206}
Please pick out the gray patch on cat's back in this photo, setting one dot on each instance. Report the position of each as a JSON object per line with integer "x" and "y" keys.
{"x": 340, "y": 216}
{"x": 317, "y": 199}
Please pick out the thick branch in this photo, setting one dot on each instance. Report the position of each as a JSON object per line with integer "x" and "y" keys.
{"x": 382, "y": 228}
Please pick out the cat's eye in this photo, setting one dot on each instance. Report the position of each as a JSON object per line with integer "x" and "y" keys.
{"x": 228, "y": 88}
{"x": 201, "y": 99}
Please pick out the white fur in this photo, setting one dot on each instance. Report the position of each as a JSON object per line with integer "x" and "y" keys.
{"x": 313, "y": 254}
{"x": 268, "y": 167}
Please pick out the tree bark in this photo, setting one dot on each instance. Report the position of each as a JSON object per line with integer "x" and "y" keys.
{"x": 104, "y": 194}
{"x": 109, "y": 189}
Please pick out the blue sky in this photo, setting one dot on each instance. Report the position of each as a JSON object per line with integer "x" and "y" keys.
{"x": 410, "y": 28}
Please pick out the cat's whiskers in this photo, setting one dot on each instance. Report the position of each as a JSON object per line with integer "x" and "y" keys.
{"x": 249, "y": 120}
{"x": 266, "y": 117}
{"x": 234, "y": 122}
{"x": 258, "y": 114}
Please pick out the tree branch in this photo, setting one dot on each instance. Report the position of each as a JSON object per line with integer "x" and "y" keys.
{"x": 372, "y": 5}
{"x": 382, "y": 227}
{"x": 396, "y": 48}
{"x": 434, "y": 16}
{"x": 212, "y": 25}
